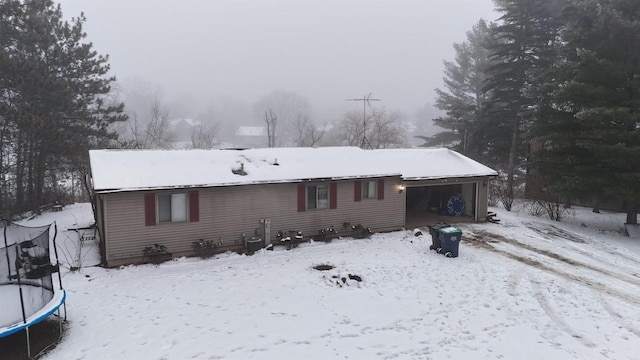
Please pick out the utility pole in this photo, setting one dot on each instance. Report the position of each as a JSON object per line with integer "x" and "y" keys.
{"x": 365, "y": 101}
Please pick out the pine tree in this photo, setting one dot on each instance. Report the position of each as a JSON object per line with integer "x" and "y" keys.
{"x": 595, "y": 141}
{"x": 463, "y": 97}
{"x": 522, "y": 50}
{"x": 53, "y": 97}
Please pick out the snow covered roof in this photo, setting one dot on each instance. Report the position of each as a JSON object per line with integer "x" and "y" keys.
{"x": 125, "y": 170}
{"x": 251, "y": 131}
{"x": 190, "y": 122}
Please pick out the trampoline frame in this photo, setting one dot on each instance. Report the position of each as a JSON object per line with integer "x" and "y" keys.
{"x": 52, "y": 307}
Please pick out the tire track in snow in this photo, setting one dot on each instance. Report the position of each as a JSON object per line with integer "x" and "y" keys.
{"x": 618, "y": 317}
{"x": 567, "y": 235}
{"x": 621, "y": 268}
{"x": 553, "y": 255}
{"x": 603, "y": 288}
{"x": 550, "y": 232}
{"x": 543, "y": 301}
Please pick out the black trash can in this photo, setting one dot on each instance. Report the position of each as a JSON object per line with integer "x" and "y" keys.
{"x": 450, "y": 239}
{"x": 435, "y": 240}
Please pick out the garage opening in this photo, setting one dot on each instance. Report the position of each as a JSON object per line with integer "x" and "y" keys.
{"x": 451, "y": 203}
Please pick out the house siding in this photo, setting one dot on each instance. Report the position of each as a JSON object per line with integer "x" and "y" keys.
{"x": 483, "y": 200}
{"x": 227, "y": 212}
{"x": 100, "y": 223}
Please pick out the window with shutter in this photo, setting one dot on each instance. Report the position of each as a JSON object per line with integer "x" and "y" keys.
{"x": 317, "y": 196}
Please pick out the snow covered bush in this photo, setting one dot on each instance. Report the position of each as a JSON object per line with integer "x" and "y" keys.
{"x": 156, "y": 253}
{"x": 204, "y": 249}
{"x": 553, "y": 209}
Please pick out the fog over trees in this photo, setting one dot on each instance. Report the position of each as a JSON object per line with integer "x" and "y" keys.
{"x": 148, "y": 124}
{"x": 55, "y": 103}
{"x": 547, "y": 93}
{"x": 286, "y": 116}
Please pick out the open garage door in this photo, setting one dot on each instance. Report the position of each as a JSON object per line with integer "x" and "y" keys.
{"x": 429, "y": 204}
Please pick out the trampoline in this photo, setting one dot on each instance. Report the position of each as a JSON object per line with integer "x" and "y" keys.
{"x": 28, "y": 293}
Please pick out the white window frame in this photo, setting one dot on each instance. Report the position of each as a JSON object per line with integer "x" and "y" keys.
{"x": 179, "y": 208}
{"x": 370, "y": 189}
{"x": 320, "y": 203}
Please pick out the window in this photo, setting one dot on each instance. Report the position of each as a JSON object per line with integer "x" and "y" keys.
{"x": 317, "y": 197}
{"x": 172, "y": 208}
{"x": 369, "y": 189}
{"x": 166, "y": 208}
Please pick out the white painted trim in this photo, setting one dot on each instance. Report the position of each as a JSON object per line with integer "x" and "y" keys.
{"x": 477, "y": 207}
{"x": 404, "y": 205}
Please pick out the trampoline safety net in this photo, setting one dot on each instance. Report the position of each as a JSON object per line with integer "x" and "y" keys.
{"x": 26, "y": 285}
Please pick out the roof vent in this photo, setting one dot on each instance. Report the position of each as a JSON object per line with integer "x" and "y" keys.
{"x": 239, "y": 171}
{"x": 275, "y": 162}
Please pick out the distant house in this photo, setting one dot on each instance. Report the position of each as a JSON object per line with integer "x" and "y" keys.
{"x": 251, "y": 137}
{"x": 177, "y": 197}
{"x": 181, "y": 129}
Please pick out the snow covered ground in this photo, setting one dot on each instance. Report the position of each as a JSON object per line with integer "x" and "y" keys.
{"x": 526, "y": 288}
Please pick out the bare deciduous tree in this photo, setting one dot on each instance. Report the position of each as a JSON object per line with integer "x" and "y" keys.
{"x": 203, "y": 136}
{"x": 308, "y": 134}
{"x": 382, "y": 129}
{"x": 271, "y": 119}
{"x": 387, "y": 130}
{"x": 351, "y": 129}
{"x": 288, "y": 108}
{"x": 148, "y": 126}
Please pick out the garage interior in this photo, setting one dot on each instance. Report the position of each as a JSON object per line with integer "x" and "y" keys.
{"x": 430, "y": 204}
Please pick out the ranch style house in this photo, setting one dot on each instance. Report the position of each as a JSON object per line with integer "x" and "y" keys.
{"x": 176, "y": 198}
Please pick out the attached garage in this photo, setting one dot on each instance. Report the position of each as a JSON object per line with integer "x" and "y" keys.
{"x": 448, "y": 200}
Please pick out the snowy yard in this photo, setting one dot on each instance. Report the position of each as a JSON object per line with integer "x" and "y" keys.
{"x": 525, "y": 288}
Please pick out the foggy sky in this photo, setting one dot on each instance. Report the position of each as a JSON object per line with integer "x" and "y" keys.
{"x": 326, "y": 51}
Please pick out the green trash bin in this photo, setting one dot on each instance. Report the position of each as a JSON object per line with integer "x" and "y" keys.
{"x": 450, "y": 239}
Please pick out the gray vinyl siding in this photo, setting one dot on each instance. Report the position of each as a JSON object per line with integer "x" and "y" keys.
{"x": 100, "y": 223}
{"x": 227, "y": 212}
{"x": 483, "y": 200}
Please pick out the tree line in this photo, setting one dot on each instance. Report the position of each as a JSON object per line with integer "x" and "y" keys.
{"x": 54, "y": 103}
{"x": 549, "y": 95}
{"x": 57, "y": 101}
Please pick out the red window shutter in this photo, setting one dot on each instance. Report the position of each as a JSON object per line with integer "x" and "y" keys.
{"x": 150, "y": 209}
{"x": 194, "y": 206}
{"x": 357, "y": 190}
{"x": 333, "y": 195}
{"x": 380, "y": 189}
{"x": 302, "y": 203}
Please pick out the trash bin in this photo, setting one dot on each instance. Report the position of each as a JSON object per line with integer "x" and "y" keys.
{"x": 435, "y": 241}
{"x": 450, "y": 240}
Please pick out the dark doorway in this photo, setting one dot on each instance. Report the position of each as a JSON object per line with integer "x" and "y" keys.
{"x": 428, "y": 204}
